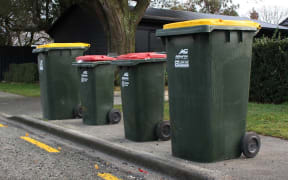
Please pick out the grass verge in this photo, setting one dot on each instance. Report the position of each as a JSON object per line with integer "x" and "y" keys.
{"x": 268, "y": 119}
{"x": 23, "y": 89}
{"x": 265, "y": 119}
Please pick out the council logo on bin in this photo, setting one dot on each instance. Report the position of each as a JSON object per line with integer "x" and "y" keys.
{"x": 84, "y": 76}
{"x": 125, "y": 79}
{"x": 182, "y": 59}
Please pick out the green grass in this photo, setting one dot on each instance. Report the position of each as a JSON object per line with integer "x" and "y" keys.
{"x": 23, "y": 89}
{"x": 268, "y": 119}
{"x": 265, "y": 119}
{"x": 118, "y": 107}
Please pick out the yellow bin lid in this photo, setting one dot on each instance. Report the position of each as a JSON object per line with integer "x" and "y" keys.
{"x": 63, "y": 45}
{"x": 212, "y": 22}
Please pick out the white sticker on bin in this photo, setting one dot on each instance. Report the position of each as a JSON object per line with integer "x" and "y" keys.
{"x": 41, "y": 62}
{"x": 125, "y": 80}
{"x": 84, "y": 76}
{"x": 182, "y": 59}
{"x": 41, "y": 66}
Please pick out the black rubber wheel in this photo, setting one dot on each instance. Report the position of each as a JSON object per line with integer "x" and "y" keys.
{"x": 163, "y": 130}
{"x": 251, "y": 144}
{"x": 114, "y": 116}
{"x": 78, "y": 112}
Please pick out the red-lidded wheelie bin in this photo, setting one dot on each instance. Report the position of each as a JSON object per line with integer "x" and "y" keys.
{"x": 142, "y": 93}
{"x": 96, "y": 74}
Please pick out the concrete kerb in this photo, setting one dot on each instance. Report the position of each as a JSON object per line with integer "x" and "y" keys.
{"x": 173, "y": 169}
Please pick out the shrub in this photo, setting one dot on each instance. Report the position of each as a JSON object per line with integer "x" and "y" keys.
{"x": 117, "y": 77}
{"x": 26, "y": 72}
{"x": 166, "y": 78}
{"x": 30, "y": 73}
{"x": 269, "y": 72}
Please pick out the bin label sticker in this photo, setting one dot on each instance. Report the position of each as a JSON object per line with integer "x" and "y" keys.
{"x": 41, "y": 66}
{"x": 84, "y": 76}
{"x": 182, "y": 59}
{"x": 41, "y": 58}
{"x": 125, "y": 80}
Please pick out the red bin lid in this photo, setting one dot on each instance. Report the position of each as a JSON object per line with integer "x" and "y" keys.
{"x": 145, "y": 55}
{"x": 94, "y": 58}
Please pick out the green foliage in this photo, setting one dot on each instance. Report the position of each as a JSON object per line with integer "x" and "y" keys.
{"x": 224, "y": 7}
{"x": 26, "y": 72}
{"x": 190, "y": 5}
{"x": 117, "y": 77}
{"x": 269, "y": 73}
{"x": 166, "y": 78}
{"x": 21, "y": 19}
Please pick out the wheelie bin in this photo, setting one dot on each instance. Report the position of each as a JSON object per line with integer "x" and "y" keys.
{"x": 96, "y": 74}
{"x": 58, "y": 79}
{"x": 142, "y": 93}
{"x": 209, "y": 64}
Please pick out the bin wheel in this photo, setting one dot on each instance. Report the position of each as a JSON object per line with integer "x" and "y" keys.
{"x": 250, "y": 144}
{"x": 163, "y": 130}
{"x": 114, "y": 116}
{"x": 78, "y": 112}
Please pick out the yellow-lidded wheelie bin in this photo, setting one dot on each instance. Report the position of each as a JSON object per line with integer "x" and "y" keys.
{"x": 209, "y": 63}
{"x": 59, "y": 79}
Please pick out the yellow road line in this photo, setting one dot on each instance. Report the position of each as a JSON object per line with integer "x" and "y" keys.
{"x": 107, "y": 176}
{"x": 1, "y": 125}
{"x": 39, "y": 144}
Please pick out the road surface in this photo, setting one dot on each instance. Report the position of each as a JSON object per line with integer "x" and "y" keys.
{"x": 27, "y": 153}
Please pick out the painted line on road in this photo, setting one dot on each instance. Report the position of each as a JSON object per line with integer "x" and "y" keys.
{"x": 1, "y": 125}
{"x": 40, "y": 144}
{"x": 107, "y": 176}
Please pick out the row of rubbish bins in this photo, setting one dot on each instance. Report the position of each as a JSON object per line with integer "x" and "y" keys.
{"x": 208, "y": 69}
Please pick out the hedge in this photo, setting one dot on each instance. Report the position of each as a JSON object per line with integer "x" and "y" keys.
{"x": 26, "y": 72}
{"x": 269, "y": 71}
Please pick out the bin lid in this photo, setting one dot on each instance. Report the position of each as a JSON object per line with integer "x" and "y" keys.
{"x": 91, "y": 58}
{"x": 212, "y": 22}
{"x": 141, "y": 56}
{"x": 63, "y": 45}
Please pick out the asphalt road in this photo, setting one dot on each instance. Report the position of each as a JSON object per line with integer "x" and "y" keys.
{"x": 27, "y": 153}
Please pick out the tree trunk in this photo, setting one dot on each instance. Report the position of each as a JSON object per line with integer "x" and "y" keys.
{"x": 121, "y": 39}
{"x": 119, "y": 21}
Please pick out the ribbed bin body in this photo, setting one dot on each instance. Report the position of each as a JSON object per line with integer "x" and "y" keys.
{"x": 208, "y": 82}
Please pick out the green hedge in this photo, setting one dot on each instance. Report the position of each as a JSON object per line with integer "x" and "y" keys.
{"x": 117, "y": 77}
{"x": 26, "y": 72}
{"x": 269, "y": 72}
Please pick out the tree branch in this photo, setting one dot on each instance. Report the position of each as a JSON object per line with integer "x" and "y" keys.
{"x": 19, "y": 38}
{"x": 140, "y": 9}
{"x": 38, "y": 39}
{"x": 124, "y": 5}
{"x": 31, "y": 38}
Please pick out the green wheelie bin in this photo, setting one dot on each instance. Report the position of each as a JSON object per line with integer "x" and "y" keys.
{"x": 58, "y": 79}
{"x": 96, "y": 74}
{"x": 142, "y": 93}
{"x": 209, "y": 63}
